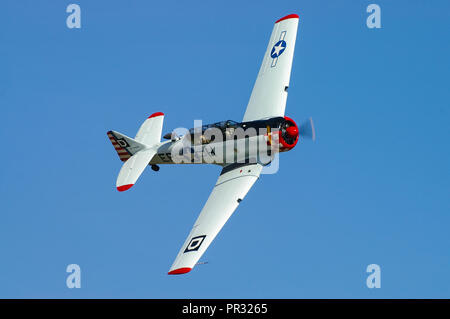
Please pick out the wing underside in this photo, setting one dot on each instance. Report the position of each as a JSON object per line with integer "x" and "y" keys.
{"x": 231, "y": 187}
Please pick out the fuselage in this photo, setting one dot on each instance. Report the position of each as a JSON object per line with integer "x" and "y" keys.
{"x": 229, "y": 142}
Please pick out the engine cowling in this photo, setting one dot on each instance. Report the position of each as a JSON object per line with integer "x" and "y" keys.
{"x": 288, "y": 134}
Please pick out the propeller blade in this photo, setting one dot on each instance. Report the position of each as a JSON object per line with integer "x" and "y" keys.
{"x": 306, "y": 129}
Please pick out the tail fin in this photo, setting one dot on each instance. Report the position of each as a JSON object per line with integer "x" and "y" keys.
{"x": 137, "y": 152}
{"x": 125, "y": 146}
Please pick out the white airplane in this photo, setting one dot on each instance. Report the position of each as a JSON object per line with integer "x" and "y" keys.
{"x": 242, "y": 149}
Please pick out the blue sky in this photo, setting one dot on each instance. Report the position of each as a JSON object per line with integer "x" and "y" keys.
{"x": 373, "y": 188}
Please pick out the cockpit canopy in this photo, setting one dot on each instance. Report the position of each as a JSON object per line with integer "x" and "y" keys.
{"x": 226, "y": 127}
{"x": 223, "y": 126}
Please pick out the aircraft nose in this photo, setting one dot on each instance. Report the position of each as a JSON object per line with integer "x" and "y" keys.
{"x": 292, "y": 131}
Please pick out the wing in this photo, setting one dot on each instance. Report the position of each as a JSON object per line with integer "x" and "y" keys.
{"x": 233, "y": 184}
{"x": 269, "y": 93}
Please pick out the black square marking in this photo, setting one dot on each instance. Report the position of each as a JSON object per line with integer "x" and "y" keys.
{"x": 195, "y": 243}
{"x": 122, "y": 142}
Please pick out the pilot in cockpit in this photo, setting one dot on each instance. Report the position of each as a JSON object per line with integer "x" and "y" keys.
{"x": 227, "y": 127}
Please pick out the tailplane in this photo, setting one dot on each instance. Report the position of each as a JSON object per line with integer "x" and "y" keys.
{"x": 137, "y": 152}
{"x": 133, "y": 168}
{"x": 150, "y": 131}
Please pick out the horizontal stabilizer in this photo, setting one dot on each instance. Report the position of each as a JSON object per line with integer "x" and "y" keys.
{"x": 150, "y": 131}
{"x": 133, "y": 168}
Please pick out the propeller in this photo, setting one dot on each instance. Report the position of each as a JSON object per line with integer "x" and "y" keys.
{"x": 306, "y": 129}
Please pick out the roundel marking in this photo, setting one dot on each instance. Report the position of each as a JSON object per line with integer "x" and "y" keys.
{"x": 278, "y": 49}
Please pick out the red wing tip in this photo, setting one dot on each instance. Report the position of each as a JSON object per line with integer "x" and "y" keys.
{"x": 124, "y": 187}
{"x": 156, "y": 114}
{"x": 289, "y": 16}
{"x": 180, "y": 271}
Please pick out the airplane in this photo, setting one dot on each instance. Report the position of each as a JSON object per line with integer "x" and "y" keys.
{"x": 242, "y": 149}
